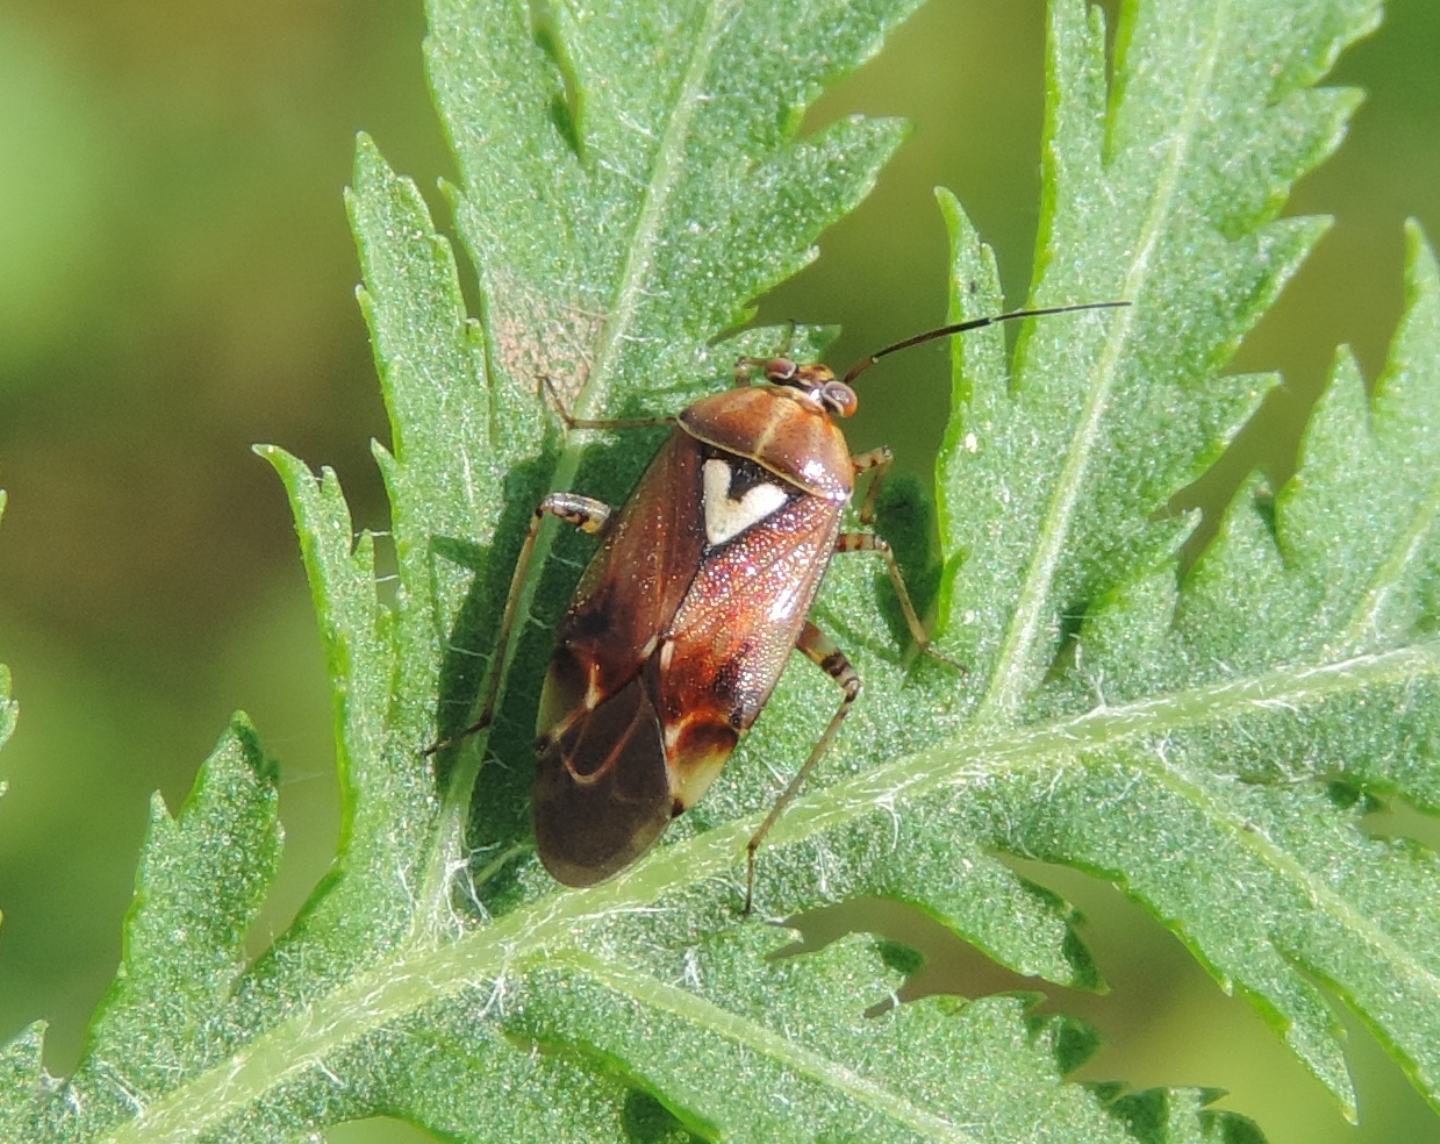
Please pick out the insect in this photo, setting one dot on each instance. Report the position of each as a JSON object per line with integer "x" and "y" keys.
{"x": 685, "y": 617}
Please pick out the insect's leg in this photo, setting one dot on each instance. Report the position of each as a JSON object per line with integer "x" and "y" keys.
{"x": 820, "y": 649}
{"x": 584, "y": 513}
{"x": 571, "y": 422}
{"x": 869, "y": 542}
{"x": 789, "y": 339}
{"x": 746, "y": 367}
{"x": 880, "y": 460}
{"x": 787, "y": 343}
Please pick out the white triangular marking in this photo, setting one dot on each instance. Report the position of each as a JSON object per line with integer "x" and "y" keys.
{"x": 726, "y": 517}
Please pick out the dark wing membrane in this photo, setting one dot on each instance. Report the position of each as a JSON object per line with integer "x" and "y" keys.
{"x": 602, "y": 794}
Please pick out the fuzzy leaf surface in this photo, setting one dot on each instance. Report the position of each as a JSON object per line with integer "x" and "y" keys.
{"x": 1209, "y": 739}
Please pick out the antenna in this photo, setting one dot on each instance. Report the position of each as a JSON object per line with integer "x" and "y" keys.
{"x": 973, "y": 324}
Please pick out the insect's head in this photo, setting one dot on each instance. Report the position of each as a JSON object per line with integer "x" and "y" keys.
{"x": 815, "y": 385}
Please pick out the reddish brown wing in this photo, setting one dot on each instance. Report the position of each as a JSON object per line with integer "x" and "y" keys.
{"x": 629, "y": 591}
{"x": 733, "y": 633}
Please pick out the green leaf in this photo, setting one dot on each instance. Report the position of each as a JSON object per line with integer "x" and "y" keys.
{"x": 201, "y": 879}
{"x": 1208, "y": 738}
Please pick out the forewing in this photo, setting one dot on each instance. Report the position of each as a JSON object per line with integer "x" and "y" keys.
{"x": 733, "y": 633}
{"x": 632, "y": 586}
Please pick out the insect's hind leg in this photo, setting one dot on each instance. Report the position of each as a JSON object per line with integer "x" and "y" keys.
{"x": 586, "y": 514}
{"x": 821, "y": 650}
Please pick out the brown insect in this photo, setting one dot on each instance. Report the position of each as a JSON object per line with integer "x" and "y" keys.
{"x": 685, "y": 617}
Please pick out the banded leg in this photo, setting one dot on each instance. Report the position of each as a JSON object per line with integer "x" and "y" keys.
{"x": 869, "y": 542}
{"x": 584, "y": 513}
{"x": 821, "y": 650}
{"x": 747, "y": 367}
{"x": 573, "y": 422}
{"x": 880, "y": 460}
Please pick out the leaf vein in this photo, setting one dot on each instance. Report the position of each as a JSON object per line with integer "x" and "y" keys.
{"x": 630, "y": 289}
{"x": 650, "y": 992}
{"x": 1011, "y": 672}
{"x": 1363, "y": 625}
{"x": 1276, "y": 857}
{"x": 417, "y": 977}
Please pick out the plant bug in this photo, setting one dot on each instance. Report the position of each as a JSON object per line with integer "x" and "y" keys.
{"x": 685, "y": 616}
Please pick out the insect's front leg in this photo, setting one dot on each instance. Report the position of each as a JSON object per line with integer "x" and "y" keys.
{"x": 586, "y": 514}
{"x": 547, "y": 383}
{"x": 747, "y": 367}
{"x": 820, "y": 649}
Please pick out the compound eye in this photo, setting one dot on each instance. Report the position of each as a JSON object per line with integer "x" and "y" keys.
{"x": 840, "y": 397}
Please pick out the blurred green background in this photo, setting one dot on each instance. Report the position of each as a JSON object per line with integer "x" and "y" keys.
{"x": 175, "y": 284}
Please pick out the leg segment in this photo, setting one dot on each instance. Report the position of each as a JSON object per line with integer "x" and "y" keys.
{"x": 548, "y": 384}
{"x": 819, "y": 648}
{"x": 869, "y": 542}
{"x": 747, "y": 367}
{"x": 584, "y": 513}
{"x": 879, "y": 460}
